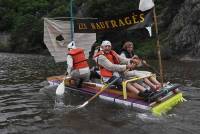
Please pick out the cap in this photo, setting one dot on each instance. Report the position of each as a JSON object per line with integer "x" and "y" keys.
{"x": 71, "y": 45}
{"x": 106, "y": 43}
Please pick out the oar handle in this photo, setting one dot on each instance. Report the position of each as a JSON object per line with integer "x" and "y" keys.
{"x": 104, "y": 88}
{"x": 149, "y": 66}
{"x": 128, "y": 69}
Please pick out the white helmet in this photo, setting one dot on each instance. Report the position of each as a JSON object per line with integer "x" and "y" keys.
{"x": 71, "y": 45}
{"x": 106, "y": 43}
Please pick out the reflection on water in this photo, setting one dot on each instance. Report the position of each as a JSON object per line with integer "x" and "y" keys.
{"x": 27, "y": 103}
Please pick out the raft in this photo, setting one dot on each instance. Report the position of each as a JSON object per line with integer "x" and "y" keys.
{"x": 167, "y": 97}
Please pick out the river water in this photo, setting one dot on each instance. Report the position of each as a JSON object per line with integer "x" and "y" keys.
{"x": 24, "y": 109}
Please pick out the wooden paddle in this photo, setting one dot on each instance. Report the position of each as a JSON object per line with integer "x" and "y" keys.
{"x": 149, "y": 66}
{"x": 98, "y": 93}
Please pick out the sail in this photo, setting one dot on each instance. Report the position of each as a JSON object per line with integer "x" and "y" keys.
{"x": 57, "y": 34}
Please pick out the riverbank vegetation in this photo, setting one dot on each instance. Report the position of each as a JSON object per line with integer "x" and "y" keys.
{"x": 22, "y": 20}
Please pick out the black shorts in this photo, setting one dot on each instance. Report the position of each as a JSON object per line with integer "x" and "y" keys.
{"x": 118, "y": 83}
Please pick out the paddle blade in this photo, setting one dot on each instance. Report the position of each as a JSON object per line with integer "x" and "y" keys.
{"x": 60, "y": 89}
{"x": 83, "y": 105}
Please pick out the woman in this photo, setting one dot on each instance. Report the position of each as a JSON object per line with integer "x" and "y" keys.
{"x": 128, "y": 52}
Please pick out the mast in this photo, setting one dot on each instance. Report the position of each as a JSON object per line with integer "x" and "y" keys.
{"x": 158, "y": 45}
{"x": 71, "y": 20}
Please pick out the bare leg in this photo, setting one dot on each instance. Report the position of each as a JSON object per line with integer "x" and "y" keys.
{"x": 138, "y": 86}
{"x": 131, "y": 88}
{"x": 157, "y": 83}
{"x": 149, "y": 83}
{"x": 153, "y": 79}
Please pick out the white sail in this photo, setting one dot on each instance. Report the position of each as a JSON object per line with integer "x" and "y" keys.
{"x": 57, "y": 34}
{"x": 85, "y": 40}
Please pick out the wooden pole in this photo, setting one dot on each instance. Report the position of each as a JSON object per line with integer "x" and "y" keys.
{"x": 72, "y": 20}
{"x": 158, "y": 45}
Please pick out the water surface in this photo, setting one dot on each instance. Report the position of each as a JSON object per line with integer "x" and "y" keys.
{"x": 24, "y": 109}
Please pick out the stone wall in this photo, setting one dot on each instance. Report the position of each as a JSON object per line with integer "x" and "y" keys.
{"x": 4, "y": 38}
{"x": 5, "y": 42}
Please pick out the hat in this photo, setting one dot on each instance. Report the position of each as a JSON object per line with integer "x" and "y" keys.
{"x": 106, "y": 43}
{"x": 71, "y": 45}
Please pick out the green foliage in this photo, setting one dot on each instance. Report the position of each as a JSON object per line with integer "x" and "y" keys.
{"x": 60, "y": 11}
{"x": 105, "y": 8}
{"x": 23, "y": 19}
{"x": 7, "y": 14}
{"x": 146, "y": 48}
{"x": 26, "y": 34}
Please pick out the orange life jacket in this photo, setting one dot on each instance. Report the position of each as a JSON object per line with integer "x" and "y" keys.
{"x": 112, "y": 57}
{"x": 78, "y": 56}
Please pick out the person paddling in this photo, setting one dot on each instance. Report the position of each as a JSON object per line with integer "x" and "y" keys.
{"x": 128, "y": 52}
{"x": 77, "y": 65}
{"x": 109, "y": 62}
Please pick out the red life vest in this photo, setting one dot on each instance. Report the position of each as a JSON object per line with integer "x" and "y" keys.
{"x": 112, "y": 57}
{"x": 78, "y": 56}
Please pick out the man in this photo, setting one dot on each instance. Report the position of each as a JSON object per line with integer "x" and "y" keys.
{"x": 111, "y": 64}
{"x": 77, "y": 65}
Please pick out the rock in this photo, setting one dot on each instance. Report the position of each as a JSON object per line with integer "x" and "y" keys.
{"x": 184, "y": 31}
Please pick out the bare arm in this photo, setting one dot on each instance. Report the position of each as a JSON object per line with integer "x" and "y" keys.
{"x": 103, "y": 61}
{"x": 69, "y": 64}
{"x": 123, "y": 60}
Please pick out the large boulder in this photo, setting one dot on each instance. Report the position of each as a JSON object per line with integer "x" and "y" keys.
{"x": 184, "y": 31}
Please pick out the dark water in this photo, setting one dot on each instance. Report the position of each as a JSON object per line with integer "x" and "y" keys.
{"x": 26, "y": 110}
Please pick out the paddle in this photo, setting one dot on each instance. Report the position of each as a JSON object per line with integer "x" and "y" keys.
{"x": 98, "y": 93}
{"x": 61, "y": 87}
{"x": 149, "y": 66}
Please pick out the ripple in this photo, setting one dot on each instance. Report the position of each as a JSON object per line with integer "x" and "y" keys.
{"x": 27, "y": 105}
{"x": 149, "y": 117}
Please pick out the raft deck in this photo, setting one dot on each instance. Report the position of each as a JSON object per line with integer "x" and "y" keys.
{"x": 170, "y": 95}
